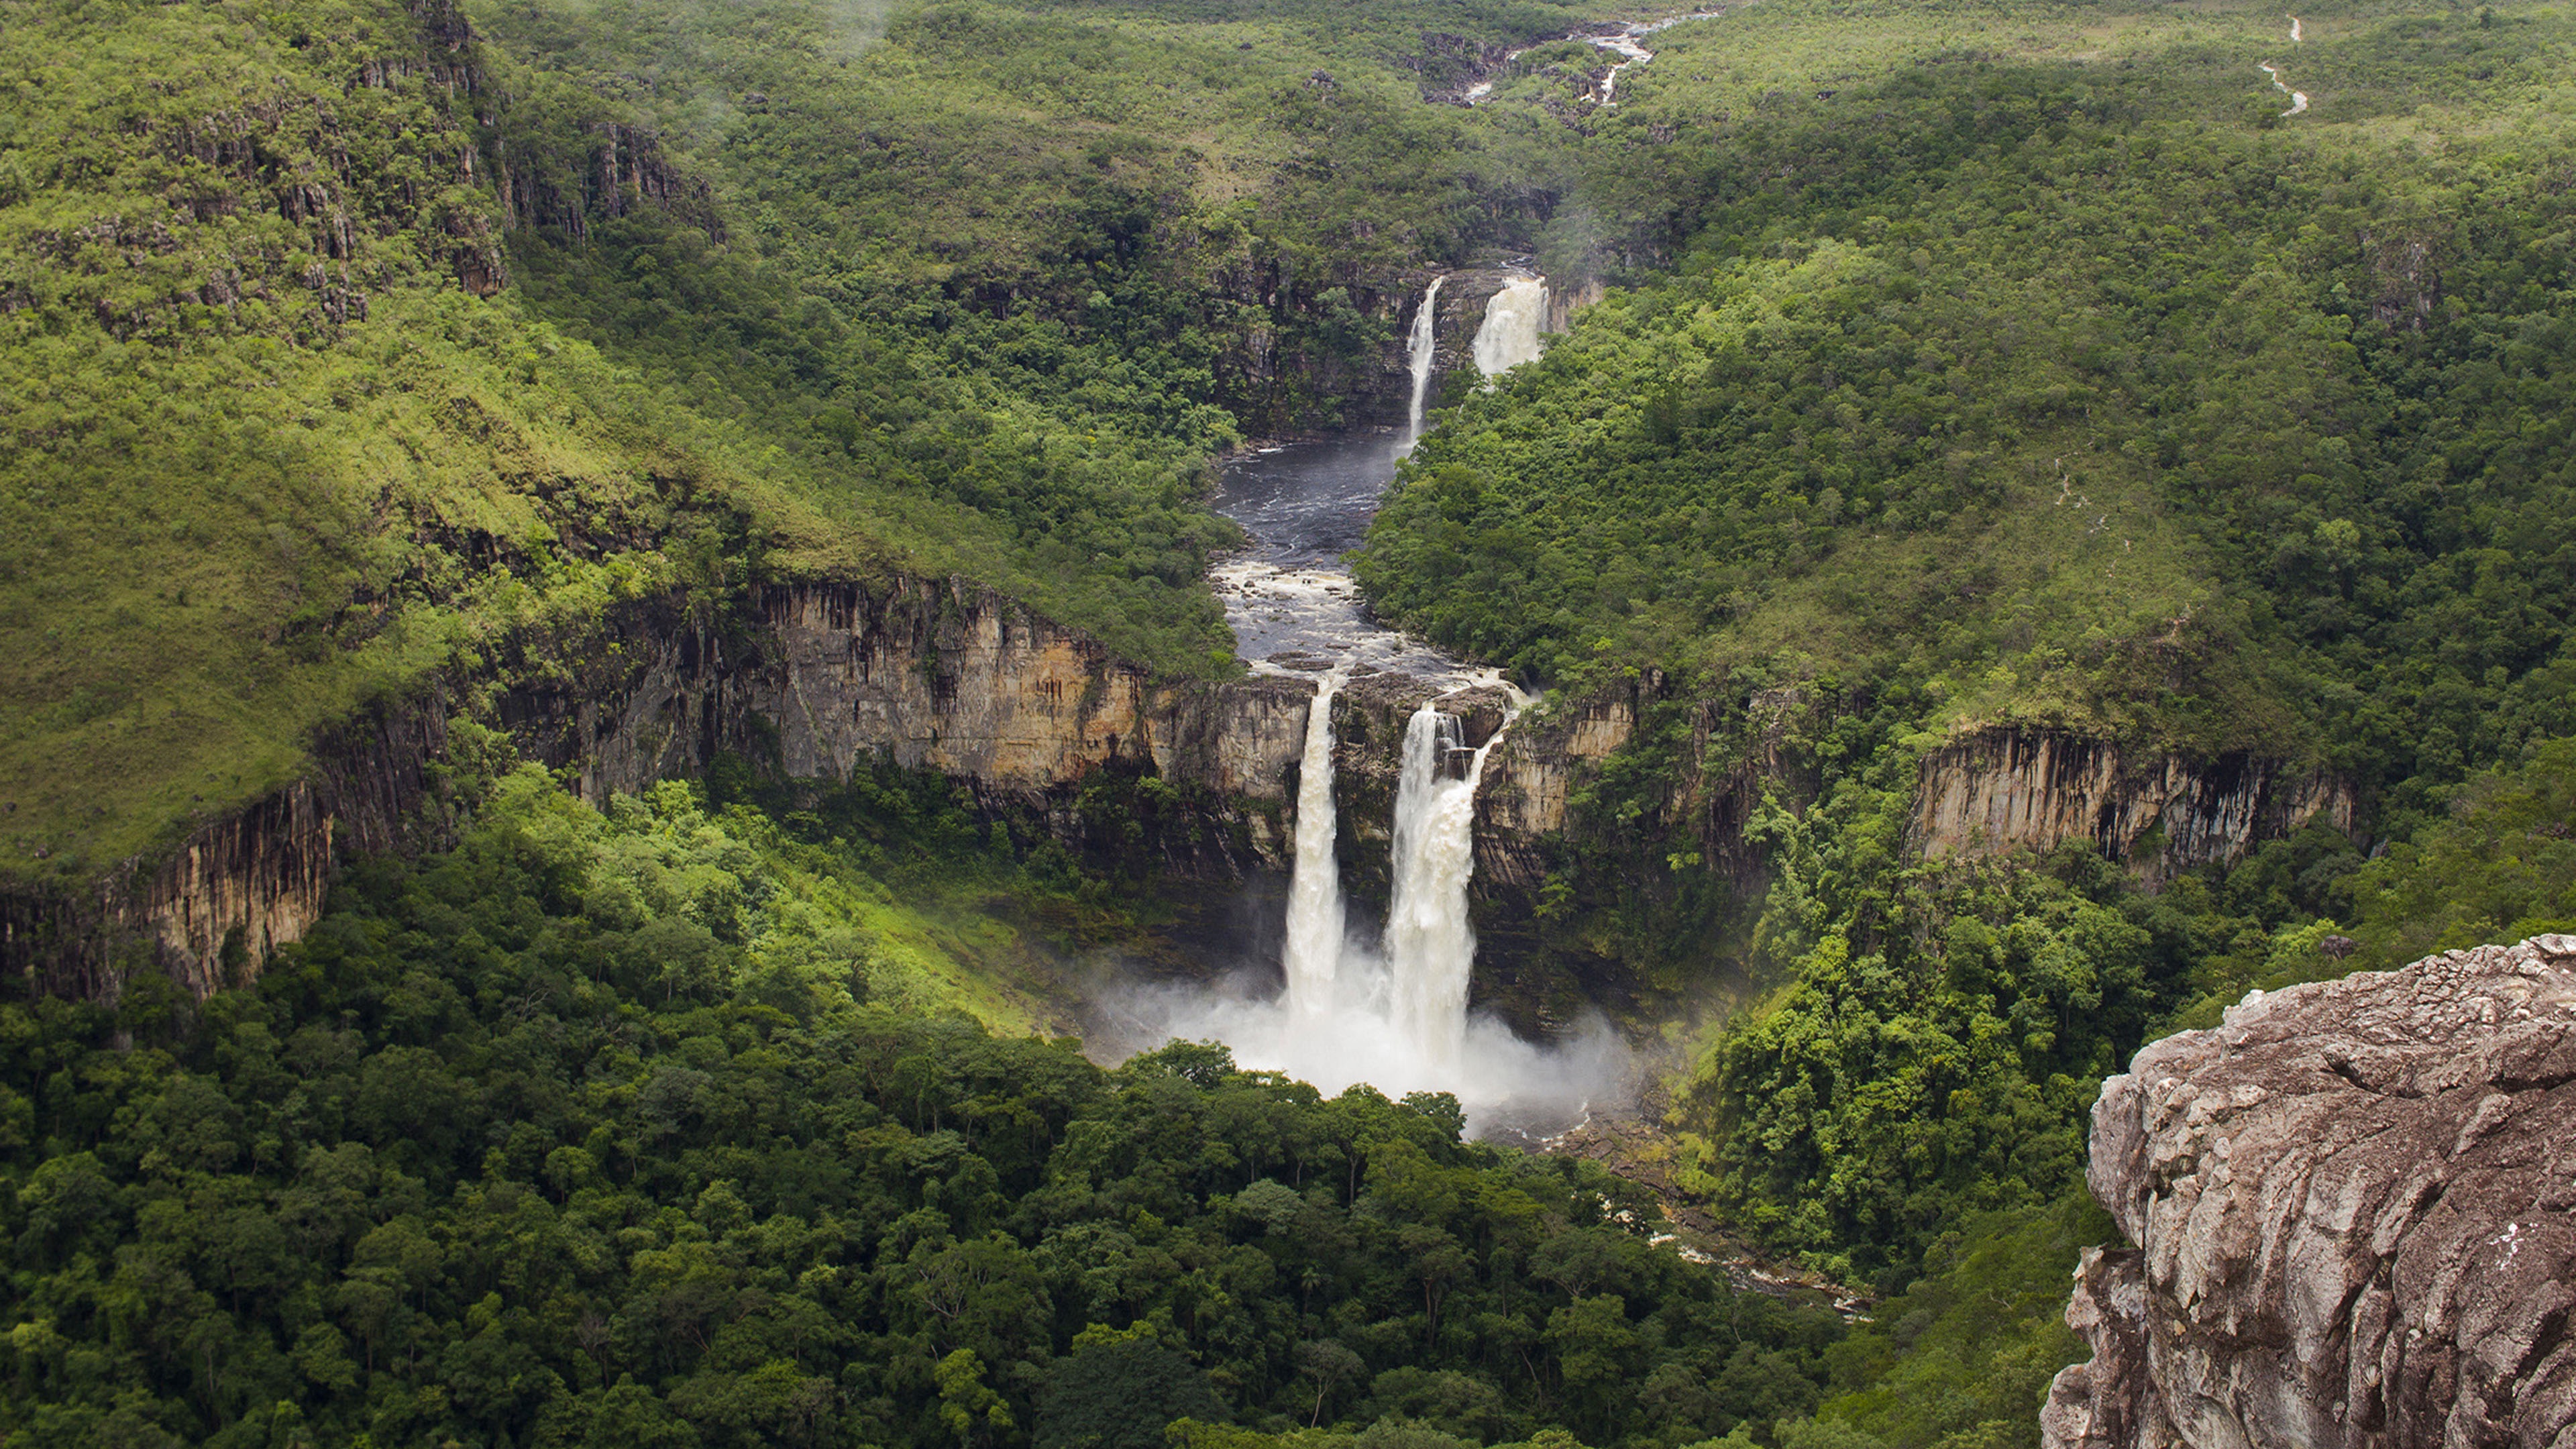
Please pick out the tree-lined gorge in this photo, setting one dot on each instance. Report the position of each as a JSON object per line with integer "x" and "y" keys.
{"x": 1925, "y": 383}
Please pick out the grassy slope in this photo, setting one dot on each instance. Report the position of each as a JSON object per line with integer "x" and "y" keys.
{"x": 979, "y": 269}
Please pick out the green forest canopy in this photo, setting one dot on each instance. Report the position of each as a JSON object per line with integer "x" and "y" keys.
{"x": 1995, "y": 363}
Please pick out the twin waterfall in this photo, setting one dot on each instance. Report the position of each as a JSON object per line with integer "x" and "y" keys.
{"x": 1386, "y": 1008}
{"x": 1430, "y": 947}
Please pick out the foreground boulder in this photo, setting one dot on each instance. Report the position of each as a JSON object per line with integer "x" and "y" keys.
{"x": 2355, "y": 1211}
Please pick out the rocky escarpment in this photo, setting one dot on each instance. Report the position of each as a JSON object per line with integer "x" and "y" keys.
{"x": 2354, "y": 1206}
{"x": 241, "y": 884}
{"x": 2002, "y": 790}
{"x": 812, "y": 681}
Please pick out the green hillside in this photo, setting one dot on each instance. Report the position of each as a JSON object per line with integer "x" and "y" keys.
{"x": 2026, "y": 366}
{"x": 1962, "y": 365}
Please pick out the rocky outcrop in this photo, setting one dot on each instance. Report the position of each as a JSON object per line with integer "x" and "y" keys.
{"x": 2354, "y": 1206}
{"x": 2002, "y": 790}
{"x": 1530, "y": 781}
{"x": 810, "y": 680}
{"x": 814, "y": 680}
{"x": 943, "y": 678}
{"x": 238, "y": 886}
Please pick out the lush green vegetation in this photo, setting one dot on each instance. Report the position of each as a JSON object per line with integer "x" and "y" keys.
{"x": 2026, "y": 367}
{"x": 2067, "y": 395}
{"x": 631, "y": 1127}
{"x": 2008, "y": 363}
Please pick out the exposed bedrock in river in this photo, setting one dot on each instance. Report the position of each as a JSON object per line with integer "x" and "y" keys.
{"x": 2354, "y": 1214}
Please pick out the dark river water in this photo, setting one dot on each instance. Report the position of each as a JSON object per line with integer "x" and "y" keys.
{"x": 1291, "y": 602}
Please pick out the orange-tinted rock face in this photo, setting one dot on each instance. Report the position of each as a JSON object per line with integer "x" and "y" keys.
{"x": 931, "y": 674}
{"x": 1530, "y": 780}
{"x": 810, "y": 680}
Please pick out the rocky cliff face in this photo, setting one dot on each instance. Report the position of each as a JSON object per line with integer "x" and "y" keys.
{"x": 809, "y": 679}
{"x": 2354, "y": 1206}
{"x": 813, "y": 679}
{"x": 240, "y": 885}
{"x": 2003, "y": 790}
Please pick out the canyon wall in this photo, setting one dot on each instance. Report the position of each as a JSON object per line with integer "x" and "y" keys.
{"x": 238, "y": 885}
{"x": 2354, "y": 1211}
{"x": 808, "y": 680}
{"x": 2000, "y": 790}
{"x": 811, "y": 681}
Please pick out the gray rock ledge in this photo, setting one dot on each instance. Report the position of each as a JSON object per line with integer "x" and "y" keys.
{"x": 2354, "y": 1206}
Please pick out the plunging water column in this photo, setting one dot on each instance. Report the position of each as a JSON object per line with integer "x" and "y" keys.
{"x": 1390, "y": 1012}
{"x": 1431, "y": 948}
{"x": 1314, "y": 954}
{"x": 1509, "y": 334}
{"x": 1425, "y": 348}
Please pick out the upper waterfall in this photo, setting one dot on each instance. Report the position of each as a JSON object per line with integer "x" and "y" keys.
{"x": 1514, "y": 317}
{"x": 1424, "y": 349}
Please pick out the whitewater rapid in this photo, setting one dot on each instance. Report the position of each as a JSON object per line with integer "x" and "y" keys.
{"x": 1621, "y": 42}
{"x": 2298, "y": 99}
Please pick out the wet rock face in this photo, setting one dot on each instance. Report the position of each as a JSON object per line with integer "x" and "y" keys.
{"x": 2355, "y": 1211}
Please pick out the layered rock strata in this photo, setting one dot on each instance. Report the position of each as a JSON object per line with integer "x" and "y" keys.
{"x": 810, "y": 680}
{"x": 2354, "y": 1206}
{"x": 2002, "y": 790}
{"x": 814, "y": 680}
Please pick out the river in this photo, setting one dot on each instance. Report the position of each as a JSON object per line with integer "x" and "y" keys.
{"x": 1341, "y": 1010}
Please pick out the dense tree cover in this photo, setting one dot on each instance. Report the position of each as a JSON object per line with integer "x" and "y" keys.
{"x": 621, "y": 1128}
{"x": 2015, "y": 369}
{"x": 2087, "y": 396}
{"x": 785, "y": 288}
{"x": 1994, "y": 387}
{"x": 1944, "y": 1025}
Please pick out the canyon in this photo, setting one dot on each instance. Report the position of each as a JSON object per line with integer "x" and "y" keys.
{"x": 814, "y": 680}
{"x": 808, "y": 679}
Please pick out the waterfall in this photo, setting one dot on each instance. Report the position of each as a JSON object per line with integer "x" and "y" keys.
{"x": 1314, "y": 952}
{"x": 1508, "y": 336}
{"x": 1426, "y": 328}
{"x": 1430, "y": 946}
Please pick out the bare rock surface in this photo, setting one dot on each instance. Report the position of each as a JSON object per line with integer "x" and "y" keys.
{"x": 2354, "y": 1205}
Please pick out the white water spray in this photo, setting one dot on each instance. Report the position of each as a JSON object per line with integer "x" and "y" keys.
{"x": 1314, "y": 954}
{"x": 1509, "y": 334}
{"x": 1431, "y": 948}
{"x": 1425, "y": 350}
